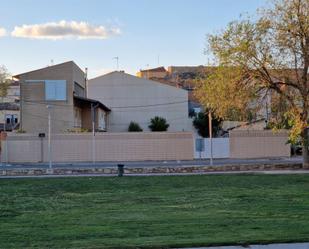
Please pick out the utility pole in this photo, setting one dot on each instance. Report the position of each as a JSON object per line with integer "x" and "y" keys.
{"x": 93, "y": 107}
{"x": 210, "y": 136}
{"x": 4, "y": 131}
{"x": 49, "y": 137}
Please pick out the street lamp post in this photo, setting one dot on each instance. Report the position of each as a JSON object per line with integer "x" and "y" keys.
{"x": 49, "y": 137}
{"x": 210, "y": 137}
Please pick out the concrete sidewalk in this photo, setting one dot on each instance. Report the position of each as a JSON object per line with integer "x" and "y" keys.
{"x": 272, "y": 246}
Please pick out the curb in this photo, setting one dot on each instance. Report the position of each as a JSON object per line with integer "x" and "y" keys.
{"x": 159, "y": 170}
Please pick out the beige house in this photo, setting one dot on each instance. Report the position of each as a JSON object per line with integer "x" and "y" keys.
{"x": 63, "y": 88}
{"x": 137, "y": 99}
{"x": 159, "y": 72}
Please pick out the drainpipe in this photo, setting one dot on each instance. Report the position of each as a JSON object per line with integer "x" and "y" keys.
{"x": 86, "y": 82}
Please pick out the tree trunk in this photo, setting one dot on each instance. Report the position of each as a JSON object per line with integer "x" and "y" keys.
{"x": 305, "y": 149}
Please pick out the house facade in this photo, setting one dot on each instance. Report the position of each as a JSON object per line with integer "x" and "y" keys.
{"x": 137, "y": 99}
{"x": 62, "y": 87}
{"x": 9, "y": 108}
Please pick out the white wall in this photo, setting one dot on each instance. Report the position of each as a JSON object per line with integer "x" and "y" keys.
{"x": 135, "y": 99}
{"x": 220, "y": 146}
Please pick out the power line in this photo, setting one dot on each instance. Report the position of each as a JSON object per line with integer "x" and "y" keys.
{"x": 112, "y": 107}
{"x": 74, "y": 124}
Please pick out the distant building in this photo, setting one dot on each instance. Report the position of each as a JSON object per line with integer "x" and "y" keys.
{"x": 159, "y": 72}
{"x": 13, "y": 93}
{"x": 9, "y": 108}
{"x": 9, "y": 116}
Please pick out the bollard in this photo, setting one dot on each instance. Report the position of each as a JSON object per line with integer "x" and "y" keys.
{"x": 120, "y": 170}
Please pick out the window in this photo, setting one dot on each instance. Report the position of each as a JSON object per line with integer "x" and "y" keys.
{"x": 101, "y": 123}
{"x": 55, "y": 90}
{"x": 11, "y": 119}
{"x": 79, "y": 90}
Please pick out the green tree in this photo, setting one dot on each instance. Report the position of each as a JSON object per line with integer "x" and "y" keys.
{"x": 158, "y": 124}
{"x": 267, "y": 53}
{"x": 201, "y": 124}
{"x": 4, "y": 81}
{"x": 134, "y": 127}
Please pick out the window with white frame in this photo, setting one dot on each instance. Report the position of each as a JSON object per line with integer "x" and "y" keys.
{"x": 55, "y": 90}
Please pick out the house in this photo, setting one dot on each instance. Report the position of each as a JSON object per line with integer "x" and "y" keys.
{"x": 9, "y": 108}
{"x": 13, "y": 93}
{"x": 159, "y": 72}
{"x": 63, "y": 88}
{"x": 9, "y": 116}
{"x": 137, "y": 99}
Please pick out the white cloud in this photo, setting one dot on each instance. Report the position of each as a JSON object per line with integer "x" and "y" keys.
{"x": 63, "y": 30}
{"x": 2, "y": 32}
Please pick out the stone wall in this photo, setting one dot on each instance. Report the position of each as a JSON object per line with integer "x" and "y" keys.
{"x": 159, "y": 170}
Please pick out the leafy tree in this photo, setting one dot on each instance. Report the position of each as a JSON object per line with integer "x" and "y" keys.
{"x": 4, "y": 81}
{"x": 201, "y": 124}
{"x": 158, "y": 124}
{"x": 265, "y": 54}
{"x": 134, "y": 127}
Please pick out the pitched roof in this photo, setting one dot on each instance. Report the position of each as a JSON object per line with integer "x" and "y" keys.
{"x": 91, "y": 101}
{"x": 53, "y": 66}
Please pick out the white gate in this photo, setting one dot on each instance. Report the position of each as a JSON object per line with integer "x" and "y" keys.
{"x": 220, "y": 148}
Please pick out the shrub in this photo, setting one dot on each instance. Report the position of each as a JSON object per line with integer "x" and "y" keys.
{"x": 201, "y": 124}
{"x": 158, "y": 124}
{"x": 20, "y": 131}
{"x": 78, "y": 130}
{"x": 134, "y": 127}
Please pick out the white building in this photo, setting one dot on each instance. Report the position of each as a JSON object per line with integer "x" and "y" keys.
{"x": 9, "y": 107}
{"x": 136, "y": 99}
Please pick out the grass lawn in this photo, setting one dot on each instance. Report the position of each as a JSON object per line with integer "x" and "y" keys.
{"x": 153, "y": 212}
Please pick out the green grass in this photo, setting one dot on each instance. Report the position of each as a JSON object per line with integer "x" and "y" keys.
{"x": 153, "y": 212}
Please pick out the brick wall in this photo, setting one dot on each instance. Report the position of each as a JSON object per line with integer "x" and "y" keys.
{"x": 109, "y": 147}
{"x": 259, "y": 144}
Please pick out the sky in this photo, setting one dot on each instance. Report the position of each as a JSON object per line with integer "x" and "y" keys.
{"x": 141, "y": 33}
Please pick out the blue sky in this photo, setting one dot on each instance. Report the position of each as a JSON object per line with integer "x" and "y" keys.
{"x": 173, "y": 30}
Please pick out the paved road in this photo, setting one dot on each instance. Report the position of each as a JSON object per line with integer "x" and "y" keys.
{"x": 159, "y": 163}
{"x": 274, "y": 246}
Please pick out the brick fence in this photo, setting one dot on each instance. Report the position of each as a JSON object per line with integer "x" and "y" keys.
{"x": 131, "y": 146}
{"x": 259, "y": 144}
